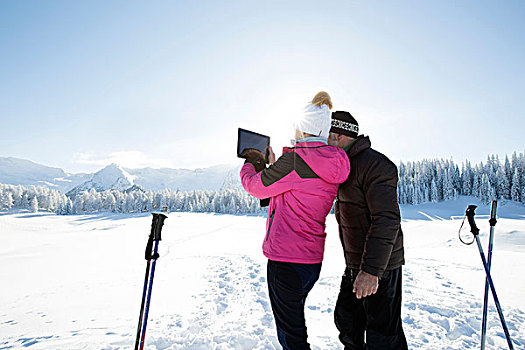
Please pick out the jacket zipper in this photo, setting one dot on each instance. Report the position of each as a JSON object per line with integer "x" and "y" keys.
{"x": 270, "y": 225}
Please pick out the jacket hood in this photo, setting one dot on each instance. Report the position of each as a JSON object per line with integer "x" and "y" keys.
{"x": 330, "y": 163}
{"x": 359, "y": 145}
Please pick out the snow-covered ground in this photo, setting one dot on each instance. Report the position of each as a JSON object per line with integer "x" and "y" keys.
{"x": 75, "y": 282}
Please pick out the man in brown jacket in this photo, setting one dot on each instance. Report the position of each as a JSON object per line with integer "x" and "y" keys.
{"x": 369, "y": 221}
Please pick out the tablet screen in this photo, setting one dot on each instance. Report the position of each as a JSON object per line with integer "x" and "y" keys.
{"x": 249, "y": 139}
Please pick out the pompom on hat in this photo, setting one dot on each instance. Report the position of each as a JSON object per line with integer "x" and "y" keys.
{"x": 316, "y": 117}
{"x": 322, "y": 98}
{"x": 343, "y": 123}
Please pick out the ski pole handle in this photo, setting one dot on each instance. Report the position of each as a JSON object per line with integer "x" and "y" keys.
{"x": 493, "y": 220}
{"x": 470, "y": 216}
{"x": 156, "y": 227}
{"x": 158, "y": 222}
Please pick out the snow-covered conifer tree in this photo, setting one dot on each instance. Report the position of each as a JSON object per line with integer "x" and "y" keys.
{"x": 507, "y": 169}
{"x": 34, "y": 204}
{"x": 69, "y": 206}
{"x": 401, "y": 191}
{"x": 434, "y": 197}
{"x": 17, "y": 192}
{"x": 476, "y": 183}
{"x": 486, "y": 192}
{"x": 129, "y": 203}
{"x": 78, "y": 204}
{"x": 448, "y": 188}
{"x": 6, "y": 200}
{"x": 515, "y": 188}
{"x": 456, "y": 178}
{"x": 503, "y": 189}
{"x": 466, "y": 180}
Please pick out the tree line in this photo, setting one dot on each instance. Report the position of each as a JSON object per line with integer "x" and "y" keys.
{"x": 228, "y": 201}
{"x": 419, "y": 182}
{"x": 440, "y": 180}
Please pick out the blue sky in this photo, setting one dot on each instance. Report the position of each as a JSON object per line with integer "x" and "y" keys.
{"x": 167, "y": 84}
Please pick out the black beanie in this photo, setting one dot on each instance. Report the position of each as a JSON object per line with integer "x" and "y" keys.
{"x": 343, "y": 123}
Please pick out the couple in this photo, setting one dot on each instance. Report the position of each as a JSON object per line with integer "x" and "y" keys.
{"x": 330, "y": 160}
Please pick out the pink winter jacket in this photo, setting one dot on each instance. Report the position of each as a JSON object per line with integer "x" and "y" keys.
{"x": 302, "y": 185}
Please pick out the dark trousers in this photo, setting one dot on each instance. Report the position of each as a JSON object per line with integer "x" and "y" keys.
{"x": 378, "y": 315}
{"x": 288, "y": 286}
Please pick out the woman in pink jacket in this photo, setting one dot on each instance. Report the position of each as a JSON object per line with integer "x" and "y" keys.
{"x": 302, "y": 185}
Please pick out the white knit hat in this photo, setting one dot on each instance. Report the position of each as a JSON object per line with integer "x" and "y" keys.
{"x": 315, "y": 120}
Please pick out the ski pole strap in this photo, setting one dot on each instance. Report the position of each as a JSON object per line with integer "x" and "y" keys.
{"x": 464, "y": 241}
{"x": 149, "y": 249}
{"x": 470, "y": 216}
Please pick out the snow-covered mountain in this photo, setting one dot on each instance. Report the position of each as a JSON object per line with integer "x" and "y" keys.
{"x": 14, "y": 171}
{"x": 212, "y": 178}
{"x": 112, "y": 177}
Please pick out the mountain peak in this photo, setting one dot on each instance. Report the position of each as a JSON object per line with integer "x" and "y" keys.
{"x": 109, "y": 175}
{"x": 111, "y": 167}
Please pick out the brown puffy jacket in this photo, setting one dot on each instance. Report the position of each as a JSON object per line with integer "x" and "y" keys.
{"x": 367, "y": 211}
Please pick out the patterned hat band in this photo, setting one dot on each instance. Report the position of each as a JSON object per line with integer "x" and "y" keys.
{"x": 336, "y": 123}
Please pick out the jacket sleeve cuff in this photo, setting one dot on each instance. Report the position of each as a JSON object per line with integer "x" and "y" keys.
{"x": 372, "y": 270}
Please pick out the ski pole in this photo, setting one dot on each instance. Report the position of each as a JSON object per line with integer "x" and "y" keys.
{"x": 475, "y": 231}
{"x": 143, "y": 336}
{"x": 155, "y": 236}
{"x": 492, "y": 223}
{"x": 144, "y": 293}
{"x": 148, "y": 256}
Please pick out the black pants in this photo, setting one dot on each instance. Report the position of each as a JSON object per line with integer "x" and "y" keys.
{"x": 288, "y": 286}
{"x": 378, "y": 315}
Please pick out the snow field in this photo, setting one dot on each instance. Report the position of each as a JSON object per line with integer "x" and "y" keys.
{"x": 75, "y": 282}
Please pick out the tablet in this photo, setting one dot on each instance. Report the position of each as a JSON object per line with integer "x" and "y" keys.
{"x": 249, "y": 139}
